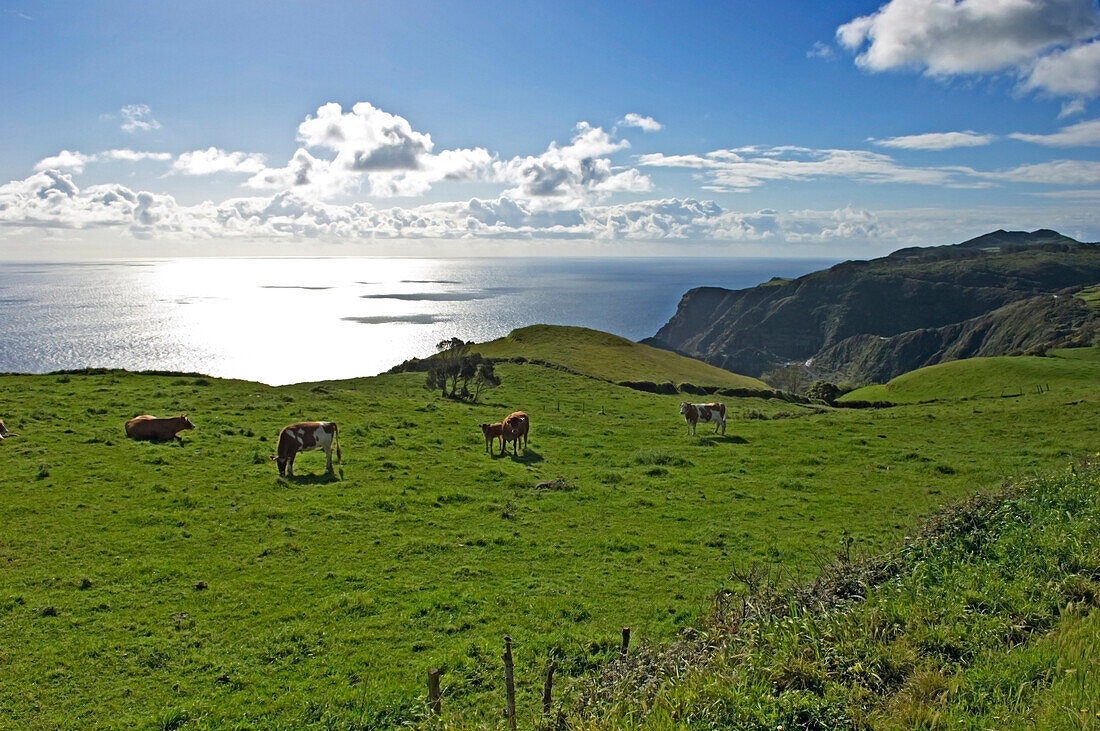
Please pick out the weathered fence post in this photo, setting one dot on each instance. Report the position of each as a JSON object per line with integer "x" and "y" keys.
{"x": 548, "y": 687}
{"x": 435, "y": 703}
{"x": 509, "y": 685}
{"x": 626, "y": 643}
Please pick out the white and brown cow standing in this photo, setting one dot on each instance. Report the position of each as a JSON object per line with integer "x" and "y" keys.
{"x": 706, "y": 413}
{"x": 302, "y": 437}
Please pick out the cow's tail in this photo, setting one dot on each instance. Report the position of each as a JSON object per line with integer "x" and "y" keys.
{"x": 336, "y": 438}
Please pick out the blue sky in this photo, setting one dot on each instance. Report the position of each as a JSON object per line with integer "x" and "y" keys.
{"x": 732, "y": 128}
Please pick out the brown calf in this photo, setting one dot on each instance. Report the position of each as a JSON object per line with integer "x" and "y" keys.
{"x": 515, "y": 427}
{"x": 157, "y": 430}
{"x": 302, "y": 437}
{"x": 492, "y": 432}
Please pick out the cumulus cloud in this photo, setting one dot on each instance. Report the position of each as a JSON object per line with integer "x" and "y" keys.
{"x": 372, "y": 145}
{"x": 745, "y": 168}
{"x": 213, "y": 160}
{"x": 1044, "y": 42}
{"x": 64, "y": 160}
{"x": 51, "y": 199}
{"x": 937, "y": 141}
{"x": 645, "y": 124}
{"x": 569, "y": 175}
{"x": 138, "y": 118}
{"x": 1076, "y": 135}
{"x": 1072, "y": 72}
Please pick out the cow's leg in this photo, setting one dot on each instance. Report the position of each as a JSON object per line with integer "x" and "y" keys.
{"x": 290, "y": 466}
{"x": 328, "y": 458}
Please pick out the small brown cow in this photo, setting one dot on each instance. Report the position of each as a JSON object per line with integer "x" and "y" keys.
{"x": 492, "y": 432}
{"x": 302, "y": 437}
{"x": 157, "y": 430}
{"x": 514, "y": 427}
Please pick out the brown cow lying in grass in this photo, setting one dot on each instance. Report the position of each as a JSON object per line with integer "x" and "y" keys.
{"x": 515, "y": 427}
{"x": 493, "y": 432}
{"x": 4, "y": 433}
{"x": 157, "y": 430}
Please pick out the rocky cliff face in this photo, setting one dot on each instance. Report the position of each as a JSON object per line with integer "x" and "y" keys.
{"x": 837, "y": 316}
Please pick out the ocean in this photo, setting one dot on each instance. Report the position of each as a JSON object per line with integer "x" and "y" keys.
{"x": 287, "y": 320}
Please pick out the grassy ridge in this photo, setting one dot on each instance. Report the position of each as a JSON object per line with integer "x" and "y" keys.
{"x": 987, "y": 619}
{"x": 187, "y": 586}
{"x": 611, "y": 357}
{"x": 1076, "y": 372}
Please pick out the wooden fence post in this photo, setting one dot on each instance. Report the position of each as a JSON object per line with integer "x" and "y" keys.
{"x": 435, "y": 703}
{"x": 626, "y": 643}
{"x": 548, "y": 687}
{"x": 509, "y": 685}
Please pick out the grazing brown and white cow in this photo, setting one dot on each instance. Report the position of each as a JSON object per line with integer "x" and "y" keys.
{"x": 157, "y": 430}
{"x": 706, "y": 413}
{"x": 4, "y": 433}
{"x": 493, "y": 432}
{"x": 514, "y": 427}
{"x": 302, "y": 437}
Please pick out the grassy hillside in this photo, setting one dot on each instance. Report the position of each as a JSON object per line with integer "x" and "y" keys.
{"x": 611, "y": 357}
{"x": 838, "y": 317}
{"x": 1071, "y": 374}
{"x": 187, "y": 586}
{"x": 986, "y": 619}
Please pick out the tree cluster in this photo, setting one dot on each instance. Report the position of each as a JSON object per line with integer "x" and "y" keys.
{"x": 455, "y": 370}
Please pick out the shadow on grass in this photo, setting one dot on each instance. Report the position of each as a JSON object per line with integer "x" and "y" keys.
{"x": 711, "y": 439}
{"x": 324, "y": 478}
{"x": 526, "y": 456}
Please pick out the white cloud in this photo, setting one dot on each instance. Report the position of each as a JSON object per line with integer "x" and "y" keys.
{"x": 213, "y": 160}
{"x": 64, "y": 160}
{"x": 50, "y": 200}
{"x": 1056, "y": 172}
{"x": 1072, "y": 107}
{"x": 573, "y": 174}
{"x": 131, "y": 156}
{"x": 937, "y": 141}
{"x": 822, "y": 51}
{"x": 645, "y": 124}
{"x": 138, "y": 118}
{"x": 75, "y": 162}
{"x": 372, "y": 145}
{"x": 745, "y": 168}
{"x": 1076, "y": 135}
{"x": 1072, "y": 72}
{"x": 947, "y": 37}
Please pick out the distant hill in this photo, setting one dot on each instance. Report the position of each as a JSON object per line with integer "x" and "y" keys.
{"x": 610, "y": 358}
{"x": 872, "y": 320}
{"x": 1075, "y": 373}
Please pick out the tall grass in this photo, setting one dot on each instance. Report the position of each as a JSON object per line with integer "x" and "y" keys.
{"x": 987, "y": 618}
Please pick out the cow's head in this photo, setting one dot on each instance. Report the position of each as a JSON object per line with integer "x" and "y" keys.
{"x": 281, "y": 462}
{"x": 684, "y": 407}
{"x": 185, "y": 423}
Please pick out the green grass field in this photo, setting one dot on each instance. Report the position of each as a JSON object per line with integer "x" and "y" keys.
{"x": 611, "y": 357}
{"x": 187, "y": 586}
{"x": 1070, "y": 374}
